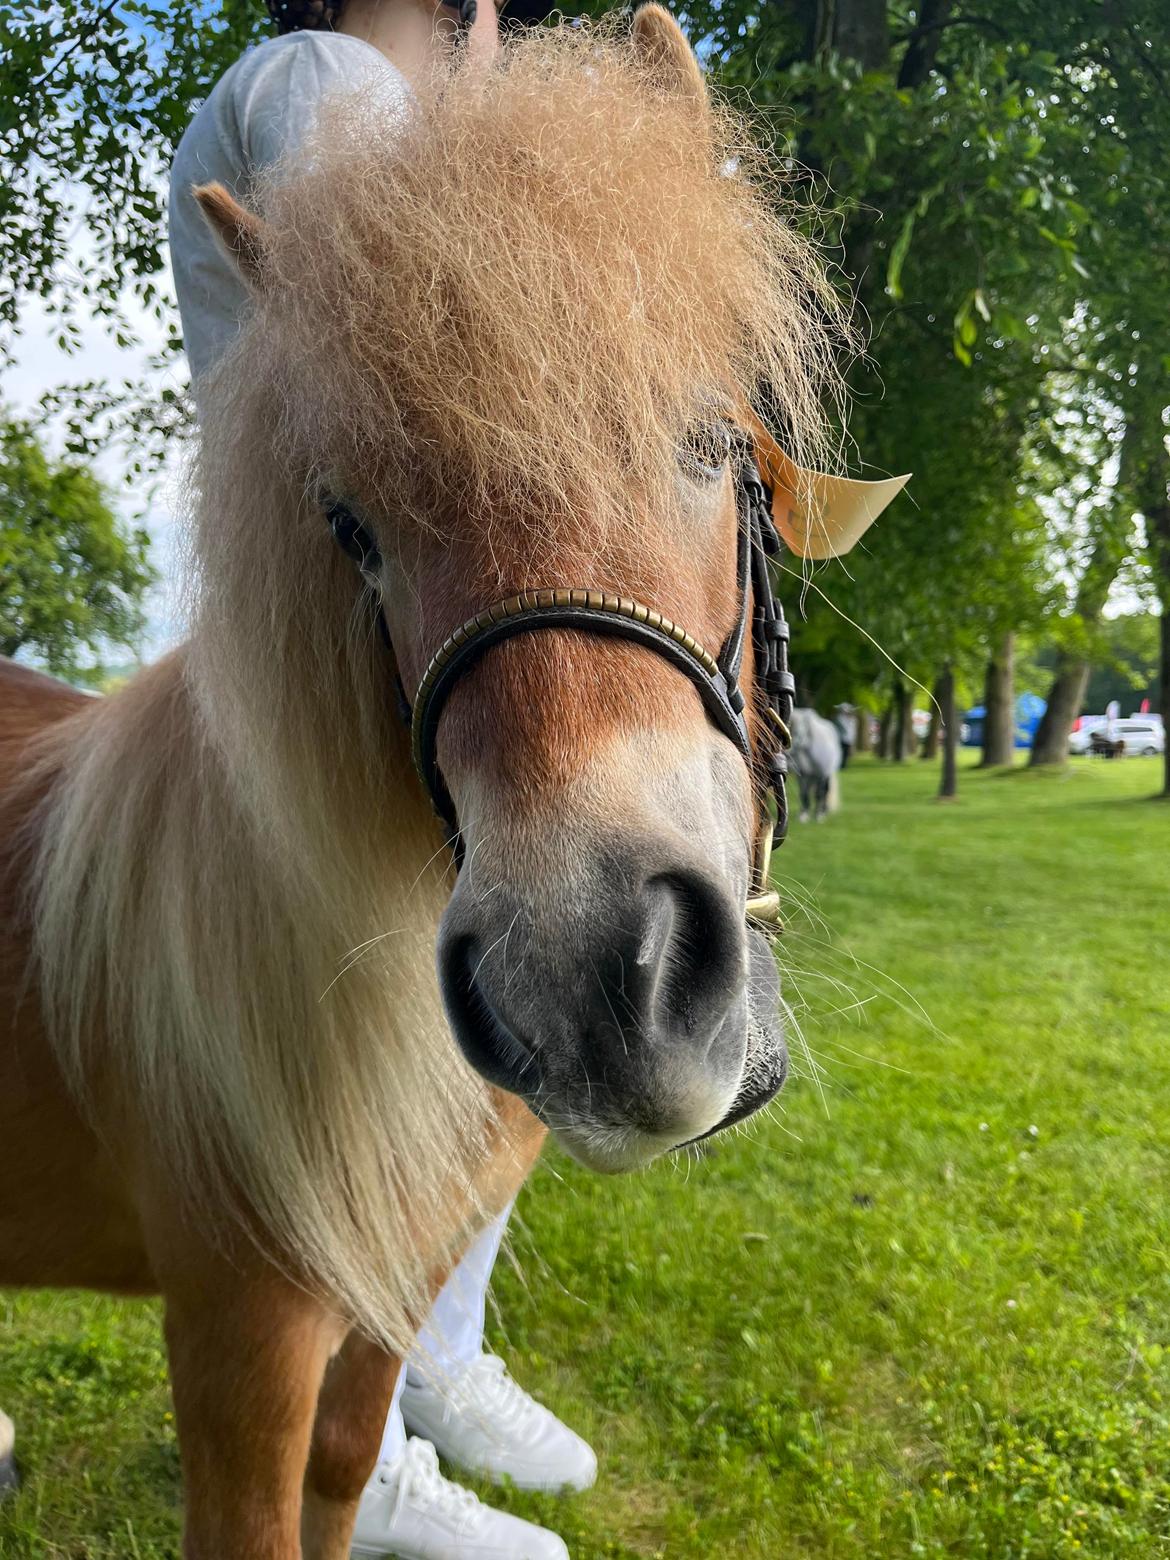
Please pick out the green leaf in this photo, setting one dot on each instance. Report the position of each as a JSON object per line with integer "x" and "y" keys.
{"x": 898, "y": 257}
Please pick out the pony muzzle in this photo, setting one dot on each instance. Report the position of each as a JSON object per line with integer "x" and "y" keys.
{"x": 620, "y": 1004}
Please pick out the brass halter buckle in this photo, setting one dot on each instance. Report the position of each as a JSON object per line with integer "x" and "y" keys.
{"x": 763, "y": 904}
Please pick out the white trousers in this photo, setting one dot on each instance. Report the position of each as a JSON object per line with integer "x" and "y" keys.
{"x": 453, "y": 1335}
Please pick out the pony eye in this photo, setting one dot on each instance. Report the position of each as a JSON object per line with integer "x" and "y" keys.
{"x": 705, "y": 450}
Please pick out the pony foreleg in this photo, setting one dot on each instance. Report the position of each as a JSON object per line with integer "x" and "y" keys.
{"x": 359, "y": 1381}
{"x": 246, "y": 1367}
{"x": 347, "y": 1432}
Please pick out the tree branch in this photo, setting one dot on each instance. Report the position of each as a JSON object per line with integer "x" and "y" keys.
{"x": 923, "y": 43}
{"x": 105, "y": 13}
{"x": 989, "y": 24}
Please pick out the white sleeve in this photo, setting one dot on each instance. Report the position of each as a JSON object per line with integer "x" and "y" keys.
{"x": 257, "y": 115}
{"x": 280, "y": 88}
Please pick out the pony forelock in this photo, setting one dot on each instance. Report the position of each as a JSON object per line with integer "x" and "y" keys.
{"x": 510, "y": 298}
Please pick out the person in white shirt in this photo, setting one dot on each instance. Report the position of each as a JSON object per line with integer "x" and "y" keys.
{"x": 845, "y": 719}
{"x": 480, "y": 1419}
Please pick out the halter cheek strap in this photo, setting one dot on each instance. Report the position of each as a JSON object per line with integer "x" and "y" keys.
{"x": 716, "y": 679}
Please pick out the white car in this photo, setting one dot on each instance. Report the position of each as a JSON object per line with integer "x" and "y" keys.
{"x": 1142, "y": 734}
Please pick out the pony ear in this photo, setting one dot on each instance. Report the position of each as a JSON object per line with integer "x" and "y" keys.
{"x": 663, "y": 46}
{"x": 240, "y": 232}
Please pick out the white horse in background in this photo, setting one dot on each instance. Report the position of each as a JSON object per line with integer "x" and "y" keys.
{"x": 815, "y": 760}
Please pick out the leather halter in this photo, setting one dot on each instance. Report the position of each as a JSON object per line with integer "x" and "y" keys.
{"x": 715, "y": 678}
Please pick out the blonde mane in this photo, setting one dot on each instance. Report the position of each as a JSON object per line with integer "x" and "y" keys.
{"x": 513, "y": 300}
{"x": 499, "y": 309}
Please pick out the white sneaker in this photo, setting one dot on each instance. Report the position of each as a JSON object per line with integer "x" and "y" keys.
{"x": 410, "y": 1510}
{"x": 487, "y": 1424}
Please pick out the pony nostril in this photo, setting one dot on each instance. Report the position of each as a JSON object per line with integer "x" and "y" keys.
{"x": 631, "y": 1006}
{"x": 698, "y": 951}
{"x": 487, "y": 1042}
{"x": 688, "y": 958}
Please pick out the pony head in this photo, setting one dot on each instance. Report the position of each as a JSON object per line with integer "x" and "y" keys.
{"x": 510, "y": 328}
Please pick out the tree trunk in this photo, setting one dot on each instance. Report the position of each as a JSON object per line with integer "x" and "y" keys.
{"x": 861, "y": 745}
{"x": 1050, "y": 744}
{"x": 934, "y": 734}
{"x": 858, "y": 29}
{"x": 949, "y": 786}
{"x": 999, "y": 702}
{"x": 921, "y": 51}
{"x": 1150, "y": 470}
{"x": 886, "y": 731}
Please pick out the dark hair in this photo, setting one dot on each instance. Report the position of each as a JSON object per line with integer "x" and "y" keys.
{"x": 320, "y": 15}
{"x": 304, "y": 15}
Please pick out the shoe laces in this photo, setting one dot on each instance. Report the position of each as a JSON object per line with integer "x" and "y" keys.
{"x": 487, "y": 1387}
{"x": 420, "y": 1482}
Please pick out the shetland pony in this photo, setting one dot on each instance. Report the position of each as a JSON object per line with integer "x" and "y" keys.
{"x": 509, "y": 332}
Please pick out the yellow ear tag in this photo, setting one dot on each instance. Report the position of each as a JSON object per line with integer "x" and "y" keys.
{"x": 818, "y": 516}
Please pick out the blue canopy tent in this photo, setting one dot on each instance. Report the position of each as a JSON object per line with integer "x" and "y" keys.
{"x": 1029, "y": 708}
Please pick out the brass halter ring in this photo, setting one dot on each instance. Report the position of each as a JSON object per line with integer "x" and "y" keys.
{"x": 716, "y": 679}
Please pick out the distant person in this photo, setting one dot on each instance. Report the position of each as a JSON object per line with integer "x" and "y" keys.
{"x": 845, "y": 720}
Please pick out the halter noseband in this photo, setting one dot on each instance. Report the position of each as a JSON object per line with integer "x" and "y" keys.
{"x": 716, "y": 679}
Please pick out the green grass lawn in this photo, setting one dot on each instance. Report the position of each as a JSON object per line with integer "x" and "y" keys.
{"x": 922, "y": 1310}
